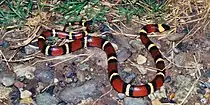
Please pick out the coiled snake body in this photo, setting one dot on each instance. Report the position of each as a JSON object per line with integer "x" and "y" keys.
{"x": 81, "y": 40}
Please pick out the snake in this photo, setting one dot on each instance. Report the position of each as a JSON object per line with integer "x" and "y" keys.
{"x": 83, "y": 40}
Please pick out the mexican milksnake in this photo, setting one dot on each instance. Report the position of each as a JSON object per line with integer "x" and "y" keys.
{"x": 81, "y": 40}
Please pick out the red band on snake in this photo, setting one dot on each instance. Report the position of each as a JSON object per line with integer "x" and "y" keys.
{"x": 82, "y": 40}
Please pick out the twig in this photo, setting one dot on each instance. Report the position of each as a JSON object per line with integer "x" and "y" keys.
{"x": 1, "y": 53}
{"x": 66, "y": 57}
{"x": 19, "y": 60}
{"x": 24, "y": 43}
{"x": 86, "y": 59}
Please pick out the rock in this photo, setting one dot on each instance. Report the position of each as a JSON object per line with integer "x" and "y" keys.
{"x": 14, "y": 96}
{"x": 176, "y": 36}
{"x": 46, "y": 99}
{"x": 205, "y": 84}
{"x": 4, "y": 44}
{"x": 55, "y": 81}
{"x": 135, "y": 101}
{"x": 19, "y": 84}
{"x": 122, "y": 41}
{"x": 208, "y": 73}
{"x": 130, "y": 78}
{"x": 136, "y": 44}
{"x": 77, "y": 94}
{"x": 203, "y": 100}
{"x": 40, "y": 86}
{"x": 8, "y": 80}
{"x": 127, "y": 69}
{"x": 141, "y": 59}
{"x": 24, "y": 71}
{"x": 201, "y": 91}
{"x": 160, "y": 93}
{"x": 123, "y": 54}
{"x": 45, "y": 76}
{"x": 29, "y": 49}
{"x": 121, "y": 96}
{"x": 25, "y": 94}
{"x": 167, "y": 79}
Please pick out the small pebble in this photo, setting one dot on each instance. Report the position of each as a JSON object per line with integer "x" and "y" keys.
{"x": 29, "y": 49}
{"x": 40, "y": 86}
{"x": 201, "y": 91}
{"x": 123, "y": 54}
{"x": 130, "y": 78}
{"x": 25, "y": 94}
{"x": 207, "y": 95}
{"x": 24, "y": 71}
{"x": 8, "y": 81}
{"x": 141, "y": 59}
{"x": 62, "y": 84}
{"x": 207, "y": 35}
{"x": 88, "y": 77}
{"x": 203, "y": 100}
{"x": 56, "y": 80}
{"x": 127, "y": 69}
{"x": 4, "y": 44}
{"x": 19, "y": 84}
{"x": 167, "y": 79}
{"x": 171, "y": 96}
{"x": 136, "y": 44}
{"x": 208, "y": 73}
{"x": 206, "y": 84}
{"x": 70, "y": 74}
{"x": 121, "y": 96}
{"x": 14, "y": 96}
